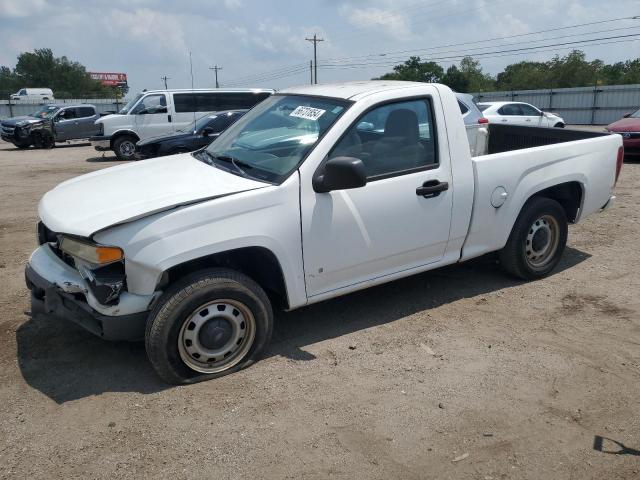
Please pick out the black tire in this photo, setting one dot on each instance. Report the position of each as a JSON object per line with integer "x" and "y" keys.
{"x": 540, "y": 219}
{"x": 559, "y": 125}
{"x": 177, "y": 308}
{"x": 125, "y": 147}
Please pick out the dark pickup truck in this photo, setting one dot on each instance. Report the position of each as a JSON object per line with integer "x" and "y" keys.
{"x": 50, "y": 124}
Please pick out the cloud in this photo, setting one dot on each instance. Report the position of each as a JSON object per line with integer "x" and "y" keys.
{"x": 21, "y": 8}
{"x": 393, "y": 23}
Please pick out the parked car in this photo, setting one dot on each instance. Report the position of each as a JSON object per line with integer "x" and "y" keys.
{"x": 50, "y": 124}
{"x": 519, "y": 113}
{"x": 32, "y": 94}
{"x": 474, "y": 122}
{"x": 629, "y": 128}
{"x": 162, "y": 112}
{"x": 299, "y": 201}
{"x": 196, "y": 135}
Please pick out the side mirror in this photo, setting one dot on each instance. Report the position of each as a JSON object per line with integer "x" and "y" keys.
{"x": 206, "y": 131}
{"x": 626, "y": 115}
{"x": 340, "y": 173}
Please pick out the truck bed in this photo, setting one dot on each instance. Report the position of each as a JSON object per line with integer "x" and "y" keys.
{"x": 525, "y": 160}
{"x": 505, "y": 138}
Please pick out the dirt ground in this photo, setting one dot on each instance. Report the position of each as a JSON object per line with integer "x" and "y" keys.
{"x": 460, "y": 373}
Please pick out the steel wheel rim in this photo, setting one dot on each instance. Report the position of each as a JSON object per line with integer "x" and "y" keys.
{"x": 127, "y": 148}
{"x": 231, "y": 317}
{"x": 542, "y": 241}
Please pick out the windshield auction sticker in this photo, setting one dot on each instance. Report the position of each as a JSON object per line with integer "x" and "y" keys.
{"x": 308, "y": 113}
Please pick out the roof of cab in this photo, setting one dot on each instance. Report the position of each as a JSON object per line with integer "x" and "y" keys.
{"x": 351, "y": 90}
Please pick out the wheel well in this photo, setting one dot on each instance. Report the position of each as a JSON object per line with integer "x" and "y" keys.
{"x": 559, "y": 125}
{"x": 568, "y": 194}
{"x": 125, "y": 133}
{"x": 256, "y": 262}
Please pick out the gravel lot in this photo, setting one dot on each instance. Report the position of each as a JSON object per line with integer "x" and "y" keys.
{"x": 461, "y": 373}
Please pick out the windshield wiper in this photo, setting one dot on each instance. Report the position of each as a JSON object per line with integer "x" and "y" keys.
{"x": 233, "y": 161}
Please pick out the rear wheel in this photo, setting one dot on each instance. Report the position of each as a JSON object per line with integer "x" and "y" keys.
{"x": 125, "y": 147}
{"x": 537, "y": 240}
{"x": 209, "y": 324}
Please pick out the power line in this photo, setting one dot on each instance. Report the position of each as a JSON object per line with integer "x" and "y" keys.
{"x": 467, "y": 51}
{"x": 315, "y": 41}
{"x": 215, "y": 68}
{"x": 579, "y": 25}
{"x": 509, "y": 50}
{"x": 282, "y": 72}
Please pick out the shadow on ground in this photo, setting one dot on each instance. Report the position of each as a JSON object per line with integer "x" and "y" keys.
{"x": 66, "y": 363}
{"x": 103, "y": 159}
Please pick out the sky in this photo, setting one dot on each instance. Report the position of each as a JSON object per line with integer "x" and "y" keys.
{"x": 261, "y": 43}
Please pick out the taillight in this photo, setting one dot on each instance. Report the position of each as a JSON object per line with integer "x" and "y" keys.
{"x": 483, "y": 120}
{"x": 619, "y": 161}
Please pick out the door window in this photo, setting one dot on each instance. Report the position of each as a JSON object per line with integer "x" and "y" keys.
{"x": 22, "y": 92}
{"x": 529, "y": 111}
{"x": 84, "y": 112}
{"x": 151, "y": 104}
{"x": 68, "y": 114}
{"x": 392, "y": 139}
{"x": 510, "y": 109}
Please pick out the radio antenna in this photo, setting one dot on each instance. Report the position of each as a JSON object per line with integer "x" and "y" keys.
{"x": 193, "y": 96}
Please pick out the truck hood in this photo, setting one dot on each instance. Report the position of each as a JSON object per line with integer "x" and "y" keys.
{"x": 89, "y": 203}
{"x": 22, "y": 120}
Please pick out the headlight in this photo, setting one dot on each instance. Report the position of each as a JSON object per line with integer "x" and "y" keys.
{"x": 92, "y": 253}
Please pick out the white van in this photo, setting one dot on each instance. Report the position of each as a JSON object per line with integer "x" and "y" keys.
{"x": 33, "y": 94}
{"x": 161, "y": 112}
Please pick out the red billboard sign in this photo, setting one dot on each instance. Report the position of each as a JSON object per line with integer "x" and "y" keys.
{"x": 109, "y": 79}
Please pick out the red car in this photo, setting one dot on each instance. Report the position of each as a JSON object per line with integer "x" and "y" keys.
{"x": 629, "y": 128}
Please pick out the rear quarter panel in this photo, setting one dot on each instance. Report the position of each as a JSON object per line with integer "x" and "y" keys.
{"x": 523, "y": 173}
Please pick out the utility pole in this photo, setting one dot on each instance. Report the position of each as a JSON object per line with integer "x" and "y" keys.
{"x": 311, "y": 70}
{"x": 315, "y": 41}
{"x": 215, "y": 68}
{"x": 165, "y": 78}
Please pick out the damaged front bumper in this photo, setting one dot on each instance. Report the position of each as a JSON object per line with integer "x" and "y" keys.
{"x": 58, "y": 289}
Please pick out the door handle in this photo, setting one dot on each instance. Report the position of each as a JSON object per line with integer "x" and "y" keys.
{"x": 504, "y": 120}
{"x": 432, "y": 188}
{"x": 528, "y": 120}
{"x": 169, "y": 118}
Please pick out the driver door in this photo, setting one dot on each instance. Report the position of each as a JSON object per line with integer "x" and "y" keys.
{"x": 354, "y": 236}
{"x": 152, "y": 117}
{"x": 65, "y": 124}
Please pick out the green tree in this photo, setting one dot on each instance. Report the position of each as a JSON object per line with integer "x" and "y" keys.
{"x": 523, "y": 76}
{"x": 41, "y": 68}
{"x": 456, "y": 80}
{"x": 477, "y": 80}
{"x": 415, "y": 70}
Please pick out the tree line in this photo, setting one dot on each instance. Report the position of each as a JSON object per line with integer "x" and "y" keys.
{"x": 571, "y": 70}
{"x": 67, "y": 79}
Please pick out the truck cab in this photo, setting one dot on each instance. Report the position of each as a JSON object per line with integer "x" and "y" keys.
{"x": 316, "y": 192}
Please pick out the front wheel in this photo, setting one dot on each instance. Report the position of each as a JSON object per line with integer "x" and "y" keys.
{"x": 125, "y": 147}
{"x": 537, "y": 240}
{"x": 209, "y": 324}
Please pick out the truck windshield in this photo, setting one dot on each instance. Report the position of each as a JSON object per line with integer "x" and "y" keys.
{"x": 128, "y": 106}
{"x": 46, "y": 111}
{"x": 273, "y": 138}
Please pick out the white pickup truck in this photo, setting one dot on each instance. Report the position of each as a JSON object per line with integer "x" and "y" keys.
{"x": 316, "y": 192}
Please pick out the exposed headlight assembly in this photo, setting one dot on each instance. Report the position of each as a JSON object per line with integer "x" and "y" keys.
{"x": 90, "y": 252}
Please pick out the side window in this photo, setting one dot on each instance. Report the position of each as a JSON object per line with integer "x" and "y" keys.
{"x": 392, "y": 138}
{"x": 220, "y": 123}
{"x": 22, "y": 92}
{"x": 510, "y": 109}
{"x": 151, "y": 104}
{"x": 68, "y": 114}
{"x": 84, "y": 112}
{"x": 183, "y": 102}
{"x": 463, "y": 108}
{"x": 529, "y": 111}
